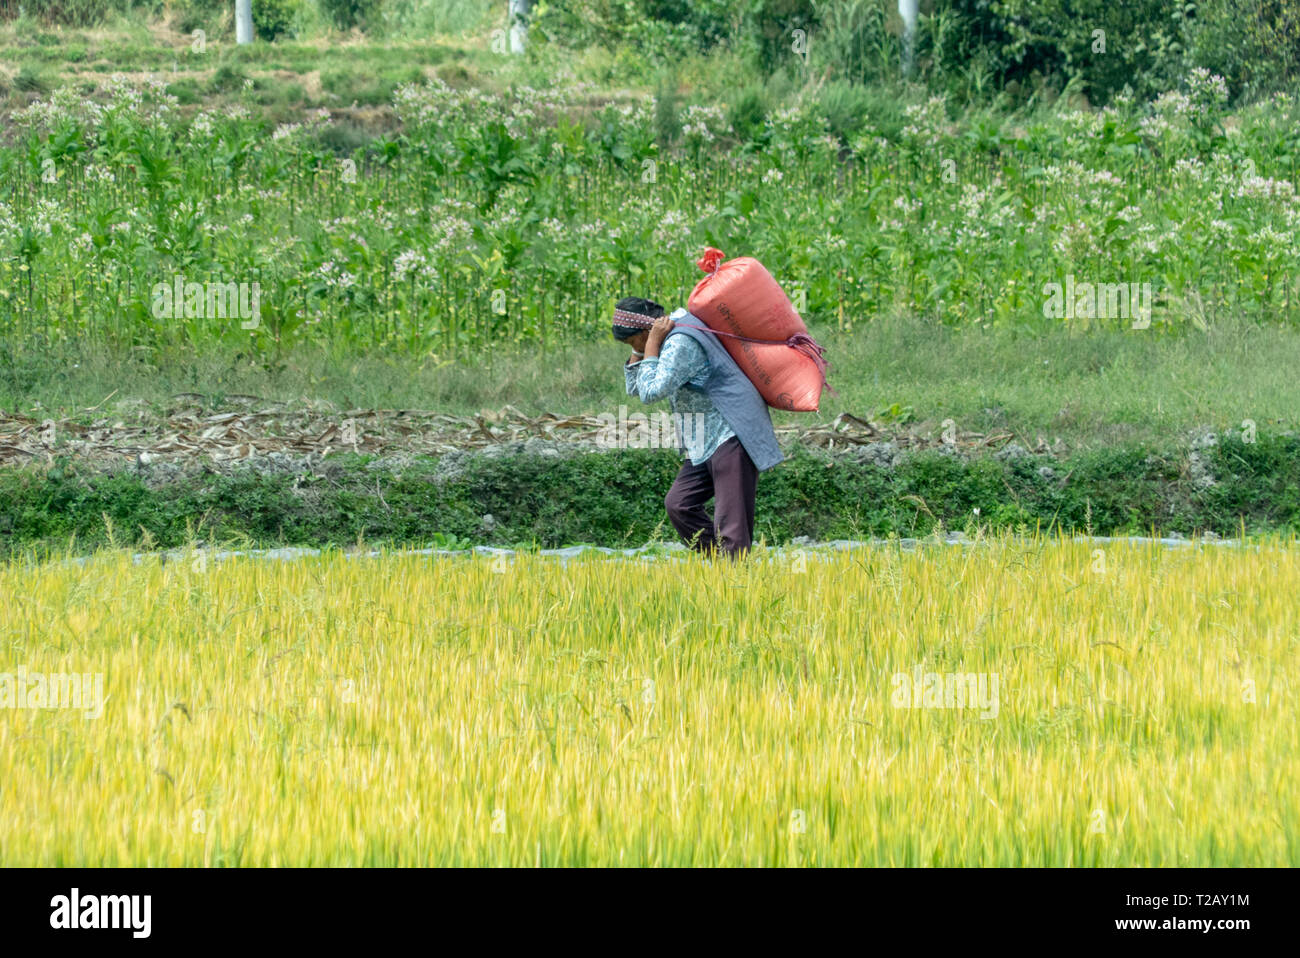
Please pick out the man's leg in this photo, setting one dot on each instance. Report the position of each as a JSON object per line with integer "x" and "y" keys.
{"x": 735, "y": 482}
{"x": 685, "y": 501}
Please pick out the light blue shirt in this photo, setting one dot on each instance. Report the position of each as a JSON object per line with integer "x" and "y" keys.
{"x": 679, "y": 373}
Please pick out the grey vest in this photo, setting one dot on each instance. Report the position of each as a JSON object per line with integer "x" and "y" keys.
{"x": 735, "y": 397}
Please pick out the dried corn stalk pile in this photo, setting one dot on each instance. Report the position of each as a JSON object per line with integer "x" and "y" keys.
{"x": 250, "y": 427}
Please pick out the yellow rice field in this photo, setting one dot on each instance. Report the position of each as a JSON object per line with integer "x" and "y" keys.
{"x": 1136, "y": 706}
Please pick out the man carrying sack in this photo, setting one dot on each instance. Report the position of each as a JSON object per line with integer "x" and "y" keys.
{"x": 733, "y": 441}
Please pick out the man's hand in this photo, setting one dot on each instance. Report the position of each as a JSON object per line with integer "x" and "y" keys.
{"x": 658, "y": 332}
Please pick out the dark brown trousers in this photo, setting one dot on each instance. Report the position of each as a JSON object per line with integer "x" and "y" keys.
{"x": 730, "y": 477}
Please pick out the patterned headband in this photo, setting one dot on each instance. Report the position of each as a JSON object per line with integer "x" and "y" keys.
{"x": 632, "y": 320}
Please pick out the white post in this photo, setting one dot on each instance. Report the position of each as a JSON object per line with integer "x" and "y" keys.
{"x": 518, "y": 14}
{"x": 908, "y": 10}
{"x": 243, "y": 21}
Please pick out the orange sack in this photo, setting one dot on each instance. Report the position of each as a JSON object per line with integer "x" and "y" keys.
{"x": 754, "y": 319}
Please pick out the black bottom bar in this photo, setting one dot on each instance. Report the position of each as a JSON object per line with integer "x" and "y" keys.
{"x": 335, "y": 908}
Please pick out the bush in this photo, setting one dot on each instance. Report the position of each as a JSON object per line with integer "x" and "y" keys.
{"x": 273, "y": 19}
{"x": 657, "y": 29}
{"x": 668, "y": 120}
{"x": 706, "y": 21}
{"x": 72, "y": 13}
{"x": 186, "y": 92}
{"x": 748, "y": 111}
{"x": 854, "y": 42}
{"x": 774, "y": 23}
{"x": 350, "y": 14}
{"x": 846, "y": 107}
{"x": 1254, "y": 44}
{"x": 425, "y": 17}
{"x": 211, "y": 16}
{"x": 1147, "y": 45}
{"x": 227, "y": 78}
{"x": 1102, "y": 45}
{"x": 31, "y": 80}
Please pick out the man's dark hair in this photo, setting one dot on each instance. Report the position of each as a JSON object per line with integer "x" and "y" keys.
{"x": 635, "y": 304}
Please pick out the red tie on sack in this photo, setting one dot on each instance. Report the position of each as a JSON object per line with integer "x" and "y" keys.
{"x": 740, "y": 301}
{"x": 711, "y": 260}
